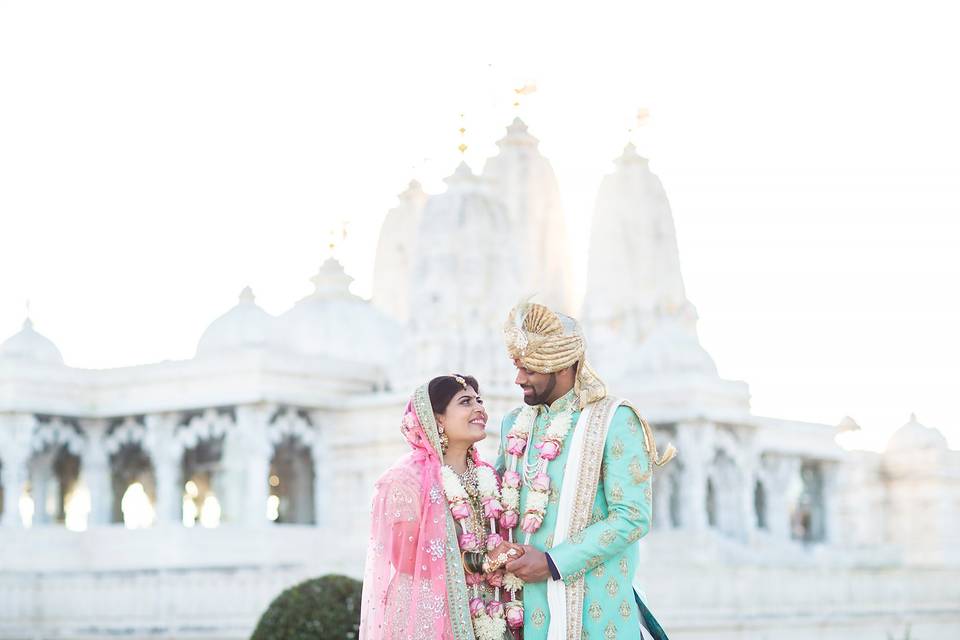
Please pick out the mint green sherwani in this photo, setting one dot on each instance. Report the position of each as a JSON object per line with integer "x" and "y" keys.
{"x": 606, "y": 550}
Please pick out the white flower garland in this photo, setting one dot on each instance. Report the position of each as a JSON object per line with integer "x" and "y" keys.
{"x": 536, "y": 478}
{"x": 485, "y": 625}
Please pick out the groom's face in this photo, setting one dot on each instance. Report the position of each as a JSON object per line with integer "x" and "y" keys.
{"x": 537, "y": 387}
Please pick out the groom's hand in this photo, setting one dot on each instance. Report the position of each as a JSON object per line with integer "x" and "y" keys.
{"x": 531, "y": 566}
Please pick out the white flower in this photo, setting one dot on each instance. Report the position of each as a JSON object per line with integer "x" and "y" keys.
{"x": 537, "y": 501}
{"x": 524, "y": 422}
{"x": 512, "y": 583}
{"x": 451, "y": 485}
{"x": 560, "y": 425}
{"x": 498, "y": 627}
{"x": 511, "y": 498}
{"x": 482, "y": 628}
{"x": 487, "y": 482}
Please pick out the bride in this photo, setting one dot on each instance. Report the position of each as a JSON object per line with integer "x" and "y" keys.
{"x": 434, "y": 557}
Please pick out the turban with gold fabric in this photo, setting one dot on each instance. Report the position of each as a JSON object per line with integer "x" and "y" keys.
{"x": 546, "y": 342}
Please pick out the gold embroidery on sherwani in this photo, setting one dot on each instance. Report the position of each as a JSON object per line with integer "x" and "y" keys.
{"x": 616, "y": 449}
{"x": 648, "y": 493}
{"x": 608, "y": 537}
{"x": 635, "y": 535}
{"x": 595, "y": 610}
{"x": 595, "y": 517}
{"x": 554, "y": 495}
{"x": 616, "y": 493}
{"x": 612, "y": 586}
{"x": 586, "y": 492}
{"x": 538, "y": 618}
{"x": 584, "y": 635}
{"x": 633, "y": 511}
{"x": 600, "y": 570}
{"x": 625, "y": 609}
{"x": 637, "y": 474}
{"x": 610, "y": 633}
{"x": 577, "y": 538}
{"x": 624, "y": 567}
{"x": 548, "y": 543}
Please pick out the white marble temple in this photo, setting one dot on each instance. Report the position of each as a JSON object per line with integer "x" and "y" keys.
{"x": 175, "y": 499}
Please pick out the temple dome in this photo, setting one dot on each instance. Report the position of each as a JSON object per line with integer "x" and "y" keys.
{"x": 29, "y": 345}
{"x": 333, "y": 322}
{"x": 246, "y": 325}
{"x": 914, "y": 436}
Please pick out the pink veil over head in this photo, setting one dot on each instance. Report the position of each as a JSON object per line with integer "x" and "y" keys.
{"x": 414, "y": 586}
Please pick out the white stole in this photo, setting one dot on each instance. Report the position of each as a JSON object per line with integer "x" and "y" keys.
{"x": 556, "y": 589}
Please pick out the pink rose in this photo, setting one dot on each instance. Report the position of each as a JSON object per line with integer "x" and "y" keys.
{"x": 516, "y": 445}
{"x": 549, "y": 449}
{"x": 509, "y": 519}
{"x": 460, "y": 510}
{"x": 469, "y": 542}
{"x": 514, "y": 614}
{"x": 511, "y": 479}
{"x": 474, "y": 579}
{"x": 476, "y": 607}
{"x": 493, "y": 540}
{"x": 541, "y": 482}
{"x": 495, "y": 609}
{"x": 492, "y": 508}
{"x": 531, "y": 522}
{"x": 495, "y": 579}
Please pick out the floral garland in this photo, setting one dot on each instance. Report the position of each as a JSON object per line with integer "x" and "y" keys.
{"x": 489, "y": 619}
{"x": 518, "y": 470}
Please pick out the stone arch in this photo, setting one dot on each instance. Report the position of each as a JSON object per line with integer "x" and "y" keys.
{"x": 129, "y": 464}
{"x": 292, "y": 473}
{"x": 53, "y": 469}
{"x": 202, "y": 436}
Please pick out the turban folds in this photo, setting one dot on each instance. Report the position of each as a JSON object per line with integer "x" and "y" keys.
{"x": 546, "y": 342}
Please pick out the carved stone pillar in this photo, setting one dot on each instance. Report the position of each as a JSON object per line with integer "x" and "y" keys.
{"x": 165, "y": 453}
{"x": 96, "y": 473}
{"x": 255, "y": 453}
{"x": 831, "y": 504}
{"x": 14, "y": 454}
{"x": 323, "y": 462}
{"x": 695, "y": 441}
{"x": 779, "y": 471}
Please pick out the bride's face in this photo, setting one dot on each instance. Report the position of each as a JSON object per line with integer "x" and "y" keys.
{"x": 465, "y": 419}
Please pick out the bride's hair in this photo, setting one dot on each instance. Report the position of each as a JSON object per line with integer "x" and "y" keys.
{"x": 442, "y": 389}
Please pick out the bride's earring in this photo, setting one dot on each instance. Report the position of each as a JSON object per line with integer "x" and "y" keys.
{"x": 444, "y": 440}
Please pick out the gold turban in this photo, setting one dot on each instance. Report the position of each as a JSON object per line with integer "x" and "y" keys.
{"x": 547, "y": 342}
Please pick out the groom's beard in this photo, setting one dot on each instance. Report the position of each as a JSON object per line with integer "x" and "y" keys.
{"x": 541, "y": 398}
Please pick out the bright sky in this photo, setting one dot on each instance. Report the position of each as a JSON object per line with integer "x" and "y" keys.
{"x": 157, "y": 157}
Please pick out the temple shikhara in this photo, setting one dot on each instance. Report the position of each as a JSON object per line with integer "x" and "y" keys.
{"x": 176, "y": 499}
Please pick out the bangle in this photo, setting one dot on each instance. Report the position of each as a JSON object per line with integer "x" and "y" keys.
{"x": 471, "y": 562}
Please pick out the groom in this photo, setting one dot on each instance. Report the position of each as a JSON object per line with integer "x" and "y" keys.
{"x": 576, "y": 467}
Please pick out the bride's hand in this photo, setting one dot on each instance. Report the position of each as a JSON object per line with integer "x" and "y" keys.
{"x": 500, "y": 555}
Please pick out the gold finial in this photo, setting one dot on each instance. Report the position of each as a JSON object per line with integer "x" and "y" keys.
{"x": 335, "y": 235}
{"x": 462, "y": 147}
{"x": 525, "y": 90}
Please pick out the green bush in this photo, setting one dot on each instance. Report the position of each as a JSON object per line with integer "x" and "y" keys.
{"x": 326, "y": 608}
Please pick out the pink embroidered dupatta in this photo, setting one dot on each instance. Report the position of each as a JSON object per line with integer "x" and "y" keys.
{"x": 414, "y": 586}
